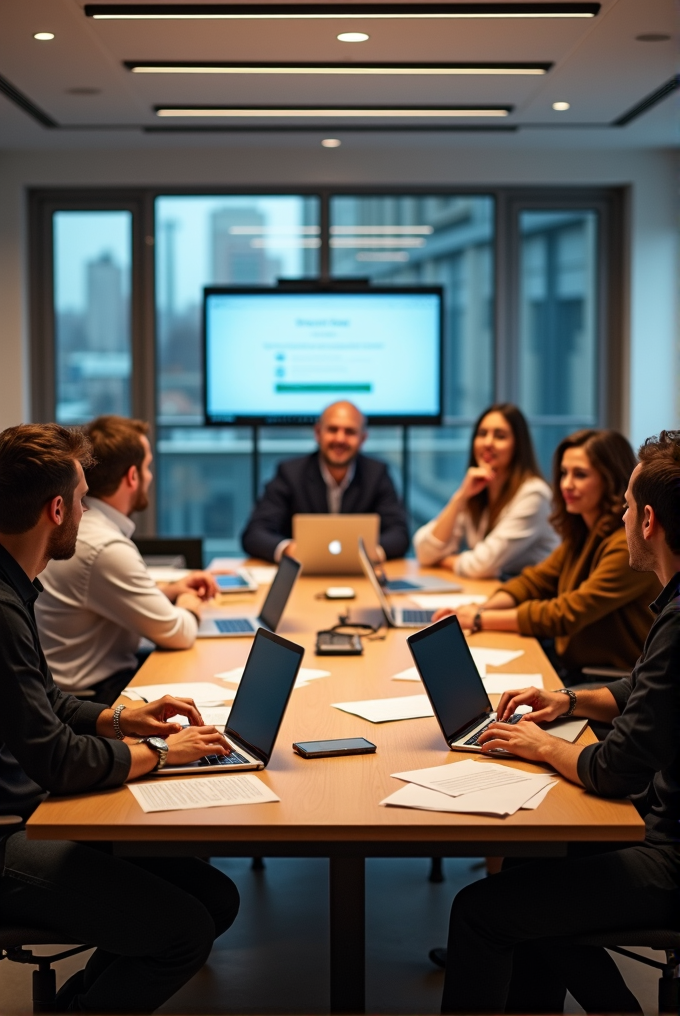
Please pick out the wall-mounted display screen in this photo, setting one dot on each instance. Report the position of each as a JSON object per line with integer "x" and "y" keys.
{"x": 281, "y": 357}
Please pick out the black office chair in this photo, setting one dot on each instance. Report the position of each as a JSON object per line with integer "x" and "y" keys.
{"x": 188, "y": 547}
{"x": 13, "y": 941}
{"x": 663, "y": 940}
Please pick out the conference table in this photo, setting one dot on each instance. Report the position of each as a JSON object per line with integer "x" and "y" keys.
{"x": 330, "y": 807}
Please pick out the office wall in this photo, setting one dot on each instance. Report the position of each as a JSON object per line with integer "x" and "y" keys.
{"x": 651, "y": 333}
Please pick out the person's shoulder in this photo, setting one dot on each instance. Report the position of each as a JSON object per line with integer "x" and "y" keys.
{"x": 297, "y": 465}
{"x": 370, "y": 466}
{"x": 535, "y": 485}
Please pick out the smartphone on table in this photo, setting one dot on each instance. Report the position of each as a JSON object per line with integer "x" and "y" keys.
{"x": 334, "y": 747}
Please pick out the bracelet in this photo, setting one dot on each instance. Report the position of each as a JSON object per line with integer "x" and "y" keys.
{"x": 476, "y": 623}
{"x": 116, "y": 722}
{"x": 572, "y": 700}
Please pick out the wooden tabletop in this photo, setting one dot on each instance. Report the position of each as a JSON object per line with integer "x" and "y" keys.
{"x": 336, "y": 800}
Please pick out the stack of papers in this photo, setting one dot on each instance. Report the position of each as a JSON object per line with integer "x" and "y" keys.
{"x": 481, "y": 788}
{"x": 411, "y": 707}
{"x": 204, "y": 792}
{"x": 204, "y": 693}
{"x": 435, "y": 601}
{"x": 484, "y": 788}
{"x": 493, "y": 657}
{"x": 305, "y": 676}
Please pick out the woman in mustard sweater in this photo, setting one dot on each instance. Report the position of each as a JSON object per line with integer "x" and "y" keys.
{"x": 584, "y": 595}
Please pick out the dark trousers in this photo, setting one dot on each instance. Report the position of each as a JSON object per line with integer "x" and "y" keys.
{"x": 153, "y": 920}
{"x": 504, "y": 949}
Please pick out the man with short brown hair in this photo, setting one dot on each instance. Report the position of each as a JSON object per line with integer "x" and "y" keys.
{"x": 99, "y": 604}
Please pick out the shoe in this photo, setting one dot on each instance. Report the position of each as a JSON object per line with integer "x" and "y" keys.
{"x": 438, "y": 956}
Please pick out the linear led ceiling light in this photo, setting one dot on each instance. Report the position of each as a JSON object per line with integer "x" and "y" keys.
{"x": 327, "y": 12}
{"x": 220, "y": 111}
{"x": 177, "y": 67}
{"x": 181, "y": 67}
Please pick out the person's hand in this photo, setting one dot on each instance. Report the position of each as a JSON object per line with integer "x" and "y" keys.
{"x": 151, "y": 719}
{"x": 289, "y": 549}
{"x": 201, "y": 583}
{"x": 546, "y": 705}
{"x": 465, "y": 615}
{"x": 193, "y": 743}
{"x": 523, "y": 739}
{"x": 191, "y": 602}
{"x": 475, "y": 480}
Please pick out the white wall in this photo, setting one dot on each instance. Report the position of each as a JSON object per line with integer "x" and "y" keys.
{"x": 652, "y": 330}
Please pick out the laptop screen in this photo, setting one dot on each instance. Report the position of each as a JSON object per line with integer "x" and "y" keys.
{"x": 450, "y": 676}
{"x": 369, "y": 572}
{"x": 280, "y": 589}
{"x": 262, "y": 696}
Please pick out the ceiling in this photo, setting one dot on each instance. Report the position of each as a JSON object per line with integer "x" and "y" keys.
{"x": 79, "y": 85}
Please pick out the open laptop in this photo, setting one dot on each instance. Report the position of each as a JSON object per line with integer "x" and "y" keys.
{"x": 456, "y": 691}
{"x": 396, "y": 617}
{"x": 416, "y": 584}
{"x": 257, "y": 711}
{"x": 217, "y": 623}
{"x": 327, "y": 544}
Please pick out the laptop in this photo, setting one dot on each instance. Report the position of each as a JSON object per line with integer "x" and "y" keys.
{"x": 327, "y": 544}
{"x": 456, "y": 691}
{"x": 416, "y": 584}
{"x": 216, "y": 623}
{"x": 257, "y": 711}
{"x": 396, "y": 617}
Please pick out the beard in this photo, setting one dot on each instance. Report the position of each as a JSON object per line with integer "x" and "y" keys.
{"x": 640, "y": 557}
{"x": 141, "y": 502}
{"x": 62, "y": 542}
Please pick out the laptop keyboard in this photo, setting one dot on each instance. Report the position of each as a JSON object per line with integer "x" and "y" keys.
{"x": 400, "y": 586}
{"x": 515, "y": 718}
{"x": 228, "y": 624}
{"x": 223, "y": 760}
{"x": 417, "y": 616}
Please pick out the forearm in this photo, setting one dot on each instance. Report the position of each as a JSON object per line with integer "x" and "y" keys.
{"x": 500, "y": 600}
{"x": 142, "y": 760}
{"x": 598, "y": 704}
{"x": 563, "y": 757}
{"x": 443, "y": 529}
{"x": 499, "y": 620}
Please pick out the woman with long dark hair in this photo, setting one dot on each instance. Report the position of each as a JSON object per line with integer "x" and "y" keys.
{"x": 585, "y": 595}
{"x": 500, "y": 511}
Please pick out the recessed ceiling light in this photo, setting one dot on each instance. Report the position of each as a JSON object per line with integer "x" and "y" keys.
{"x": 652, "y": 37}
{"x": 353, "y": 37}
{"x": 560, "y": 106}
{"x": 285, "y": 12}
{"x": 434, "y": 69}
{"x": 331, "y": 142}
{"x": 333, "y": 111}
{"x": 43, "y": 36}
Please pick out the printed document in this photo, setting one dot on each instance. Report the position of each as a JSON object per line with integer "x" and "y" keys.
{"x": 204, "y": 792}
{"x": 499, "y": 802}
{"x": 434, "y": 601}
{"x": 484, "y": 657}
{"x": 466, "y": 777}
{"x": 305, "y": 675}
{"x": 411, "y": 674}
{"x": 411, "y": 707}
{"x": 496, "y": 684}
{"x": 202, "y": 692}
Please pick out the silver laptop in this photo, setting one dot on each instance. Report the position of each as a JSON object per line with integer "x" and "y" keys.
{"x": 327, "y": 544}
{"x": 256, "y": 714}
{"x": 416, "y": 584}
{"x": 219, "y": 623}
{"x": 396, "y": 617}
{"x": 457, "y": 692}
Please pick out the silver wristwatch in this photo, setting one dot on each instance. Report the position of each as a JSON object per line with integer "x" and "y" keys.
{"x": 159, "y": 745}
{"x": 116, "y": 723}
{"x": 572, "y": 700}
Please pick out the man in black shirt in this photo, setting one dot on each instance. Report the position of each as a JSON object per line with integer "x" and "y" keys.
{"x": 502, "y": 955}
{"x": 153, "y": 921}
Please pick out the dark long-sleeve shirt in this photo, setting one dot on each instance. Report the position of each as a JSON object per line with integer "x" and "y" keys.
{"x": 48, "y": 740}
{"x": 299, "y": 488}
{"x": 640, "y": 758}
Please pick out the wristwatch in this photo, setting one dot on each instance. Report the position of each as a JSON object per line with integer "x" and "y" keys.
{"x": 572, "y": 700}
{"x": 159, "y": 745}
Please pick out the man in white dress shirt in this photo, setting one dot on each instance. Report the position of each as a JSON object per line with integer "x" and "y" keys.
{"x": 99, "y": 604}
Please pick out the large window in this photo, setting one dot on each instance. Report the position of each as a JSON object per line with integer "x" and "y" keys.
{"x": 532, "y": 283}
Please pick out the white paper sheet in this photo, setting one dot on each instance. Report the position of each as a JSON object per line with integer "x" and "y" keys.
{"x": 225, "y": 564}
{"x": 212, "y": 716}
{"x": 305, "y": 675}
{"x": 467, "y": 777}
{"x": 263, "y": 575}
{"x": 434, "y": 601}
{"x": 498, "y": 803}
{"x": 205, "y": 792}
{"x": 411, "y": 674}
{"x": 484, "y": 657}
{"x": 204, "y": 693}
{"x": 496, "y": 684}
{"x": 159, "y": 573}
{"x": 411, "y": 707}
{"x": 538, "y": 798}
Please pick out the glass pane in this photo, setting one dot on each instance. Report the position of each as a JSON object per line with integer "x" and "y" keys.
{"x": 438, "y": 459}
{"x": 443, "y": 240}
{"x": 92, "y": 283}
{"x": 204, "y": 241}
{"x": 557, "y": 316}
{"x": 205, "y": 475}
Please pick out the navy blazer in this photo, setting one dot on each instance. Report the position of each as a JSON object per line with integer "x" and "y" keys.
{"x": 299, "y": 488}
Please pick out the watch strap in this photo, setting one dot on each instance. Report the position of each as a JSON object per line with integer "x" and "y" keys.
{"x": 572, "y": 700}
{"x": 116, "y": 723}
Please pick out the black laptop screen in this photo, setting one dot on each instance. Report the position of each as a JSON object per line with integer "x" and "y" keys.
{"x": 450, "y": 676}
{"x": 263, "y": 693}
{"x": 277, "y": 597}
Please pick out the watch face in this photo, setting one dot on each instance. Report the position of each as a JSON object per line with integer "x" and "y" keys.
{"x": 158, "y": 743}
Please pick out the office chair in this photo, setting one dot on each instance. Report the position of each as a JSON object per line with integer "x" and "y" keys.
{"x": 188, "y": 547}
{"x": 15, "y": 937}
{"x": 663, "y": 940}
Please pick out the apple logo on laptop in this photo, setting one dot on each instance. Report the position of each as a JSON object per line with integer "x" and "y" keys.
{"x": 335, "y": 547}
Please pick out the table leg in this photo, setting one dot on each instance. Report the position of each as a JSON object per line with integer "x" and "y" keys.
{"x": 348, "y": 934}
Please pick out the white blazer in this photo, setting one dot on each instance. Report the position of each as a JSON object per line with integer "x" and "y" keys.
{"x": 522, "y": 536}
